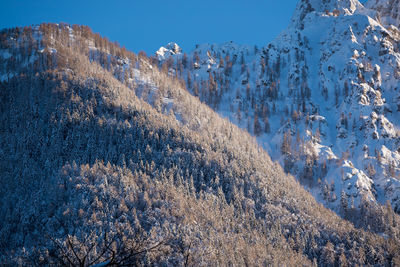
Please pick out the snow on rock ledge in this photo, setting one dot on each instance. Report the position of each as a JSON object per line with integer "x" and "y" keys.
{"x": 169, "y": 50}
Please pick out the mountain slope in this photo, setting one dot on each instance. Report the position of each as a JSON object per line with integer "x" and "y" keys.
{"x": 322, "y": 98}
{"x": 100, "y": 147}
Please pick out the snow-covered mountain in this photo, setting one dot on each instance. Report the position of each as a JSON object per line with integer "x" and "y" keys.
{"x": 107, "y": 160}
{"x": 323, "y": 98}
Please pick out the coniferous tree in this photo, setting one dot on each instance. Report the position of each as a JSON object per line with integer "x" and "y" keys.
{"x": 257, "y": 126}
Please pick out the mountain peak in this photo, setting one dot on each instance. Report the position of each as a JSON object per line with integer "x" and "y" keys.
{"x": 334, "y": 7}
{"x": 169, "y": 50}
{"x": 330, "y": 5}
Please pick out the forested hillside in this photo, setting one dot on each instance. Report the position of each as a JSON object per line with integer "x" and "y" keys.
{"x": 107, "y": 159}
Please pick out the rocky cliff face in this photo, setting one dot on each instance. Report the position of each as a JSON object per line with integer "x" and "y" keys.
{"x": 386, "y": 11}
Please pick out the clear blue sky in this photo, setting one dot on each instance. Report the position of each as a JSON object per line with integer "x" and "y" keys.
{"x": 148, "y": 24}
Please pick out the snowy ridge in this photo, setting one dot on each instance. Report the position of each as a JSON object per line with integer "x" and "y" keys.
{"x": 325, "y": 8}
